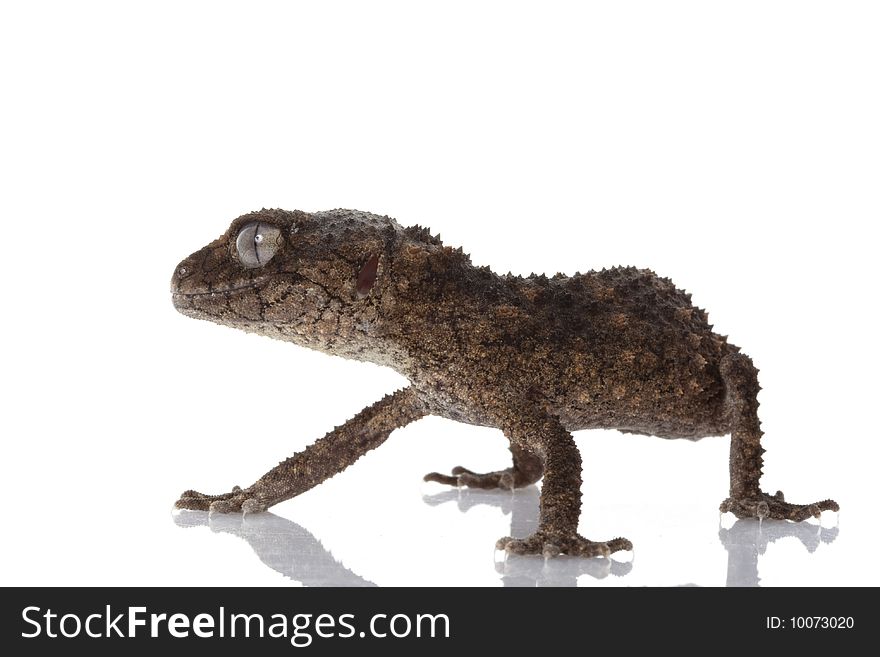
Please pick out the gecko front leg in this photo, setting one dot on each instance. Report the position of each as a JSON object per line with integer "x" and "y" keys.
{"x": 560, "y": 505}
{"x": 318, "y": 462}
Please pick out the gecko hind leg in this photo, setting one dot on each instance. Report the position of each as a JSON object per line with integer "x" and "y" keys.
{"x": 526, "y": 470}
{"x": 747, "y": 500}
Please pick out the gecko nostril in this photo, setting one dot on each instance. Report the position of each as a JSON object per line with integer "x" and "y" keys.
{"x": 180, "y": 273}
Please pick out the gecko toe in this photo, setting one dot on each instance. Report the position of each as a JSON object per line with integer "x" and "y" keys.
{"x": 550, "y": 550}
{"x": 620, "y": 544}
{"x": 252, "y": 505}
{"x": 222, "y": 506}
{"x": 194, "y": 501}
{"x": 441, "y": 478}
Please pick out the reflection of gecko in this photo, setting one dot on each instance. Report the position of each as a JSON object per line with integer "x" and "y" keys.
{"x": 746, "y": 540}
{"x": 536, "y": 357}
{"x": 282, "y": 545}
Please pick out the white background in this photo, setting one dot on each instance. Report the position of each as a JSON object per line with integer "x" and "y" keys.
{"x": 730, "y": 146}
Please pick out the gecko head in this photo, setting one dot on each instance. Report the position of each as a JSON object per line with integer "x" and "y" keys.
{"x": 313, "y": 279}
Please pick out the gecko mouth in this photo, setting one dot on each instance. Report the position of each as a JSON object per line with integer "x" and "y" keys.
{"x": 271, "y": 300}
{"x": 236, "y": 304}
{"x": 214, "y": 293}
{"x": 213, "y": 305}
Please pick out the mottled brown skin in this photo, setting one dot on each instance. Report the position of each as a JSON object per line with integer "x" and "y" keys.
{"x": 536, "y": 357}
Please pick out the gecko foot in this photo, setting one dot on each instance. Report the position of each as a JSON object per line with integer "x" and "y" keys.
{"x": 238, "y": 500}
{"x": 774, "y": 506}
{"x": 551, "y": 545}
{"x": 503, "y": 479}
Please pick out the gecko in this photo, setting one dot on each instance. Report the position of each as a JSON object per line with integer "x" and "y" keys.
{"x": 537, "y": 357}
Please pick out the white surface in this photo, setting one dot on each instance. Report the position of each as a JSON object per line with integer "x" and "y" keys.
{"x": 732, "y": 147}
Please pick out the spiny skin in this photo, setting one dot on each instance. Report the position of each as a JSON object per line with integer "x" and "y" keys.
{"x": 536, "y": 357}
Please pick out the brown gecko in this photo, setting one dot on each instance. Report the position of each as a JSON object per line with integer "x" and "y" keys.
{"x": 536, "y": 357}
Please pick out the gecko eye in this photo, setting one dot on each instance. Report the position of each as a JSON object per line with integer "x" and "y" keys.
{"x": 256, "y": 243}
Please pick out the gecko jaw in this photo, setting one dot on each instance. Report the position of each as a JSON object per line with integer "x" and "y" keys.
{"x": 187, "y": 303}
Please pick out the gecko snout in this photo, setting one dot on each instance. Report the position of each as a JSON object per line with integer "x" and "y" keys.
{"x": 181, "y": 273}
